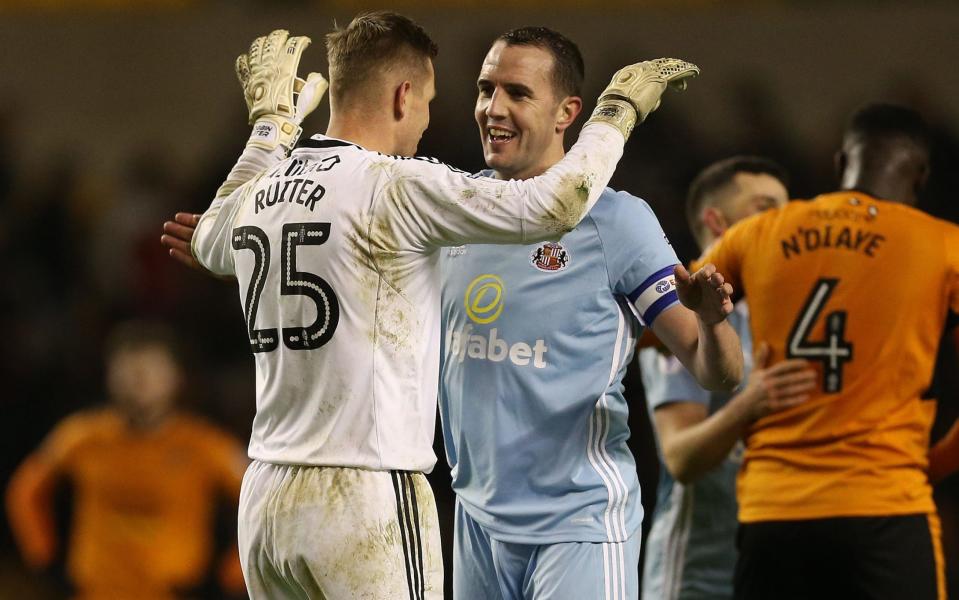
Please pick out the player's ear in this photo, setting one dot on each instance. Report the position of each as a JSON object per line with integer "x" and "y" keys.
{"x": 840, "y": 162}
{"x": 401, "y": 98}
{"x": 567, "y": 111}
{"x": 714, "y": 221}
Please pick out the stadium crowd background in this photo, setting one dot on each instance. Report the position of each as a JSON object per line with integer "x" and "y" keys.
{"x": 113, "y": 115}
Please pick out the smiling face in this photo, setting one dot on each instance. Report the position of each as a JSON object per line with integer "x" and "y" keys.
{"x": 521, "y": 120}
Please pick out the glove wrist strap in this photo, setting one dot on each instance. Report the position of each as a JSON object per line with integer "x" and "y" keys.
{"x": 271, "y": 131}
{"x": 616, "y": 111}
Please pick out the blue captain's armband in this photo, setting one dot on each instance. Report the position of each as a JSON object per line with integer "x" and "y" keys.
{"x": 654, "y": 295}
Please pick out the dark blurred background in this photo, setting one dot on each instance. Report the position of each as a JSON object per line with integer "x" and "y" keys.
{"x": 115, "y": 114}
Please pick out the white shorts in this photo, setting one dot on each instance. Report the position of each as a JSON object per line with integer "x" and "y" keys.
{"x": 337, "y": 533}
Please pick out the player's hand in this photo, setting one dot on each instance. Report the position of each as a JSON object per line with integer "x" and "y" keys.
{"x": 178, "y": 237}
{"x": 636, "y": 90}
{"x": 778, "y": 387}
{"x": 276, "y": 99}
{"x": 705, "y": 292}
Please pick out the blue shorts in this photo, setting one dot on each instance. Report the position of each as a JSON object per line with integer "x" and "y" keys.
{"x": 487, "y": 569}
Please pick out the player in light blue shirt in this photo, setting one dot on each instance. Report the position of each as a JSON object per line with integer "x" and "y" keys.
{"x": 691, "y": 548}
{"x": 536, "y": 340}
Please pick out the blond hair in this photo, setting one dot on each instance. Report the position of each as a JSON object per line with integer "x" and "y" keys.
{"x": 375, "y": 42}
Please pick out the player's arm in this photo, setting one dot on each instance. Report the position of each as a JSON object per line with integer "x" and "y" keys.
{"x": 944, "y": 456}
{"x": 30, "y": 509}
{"x": 31, "y": 490}
{"x": 697, "y": 332}
{"x": 484, "y": 210}
{"x": 703, "y": 343}
{"x": 277, "y": 102}
{"x": 694, "y": 442}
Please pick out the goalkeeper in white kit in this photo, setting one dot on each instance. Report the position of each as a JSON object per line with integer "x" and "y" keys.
{"x": 334, "y": 250}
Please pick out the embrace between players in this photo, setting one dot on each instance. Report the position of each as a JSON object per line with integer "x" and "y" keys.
{"x": 541, "y": 274}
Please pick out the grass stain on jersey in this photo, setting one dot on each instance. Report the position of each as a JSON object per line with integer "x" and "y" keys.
{"x": 393, "y": 322}
{"x": 570, "y": 204}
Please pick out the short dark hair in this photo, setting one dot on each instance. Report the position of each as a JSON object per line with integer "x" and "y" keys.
{"x": 882, "y": 122}
{"x": 568, "y": 67}
{"x": 702, "y": 191}
{"x": 371, "y": 40}
{"x": 138, "y": 335}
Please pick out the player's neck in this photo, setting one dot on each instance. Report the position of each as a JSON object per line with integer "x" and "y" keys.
{"x": 366, "y": 133}
{"x": 552, "y": 156}
{"x": 890, "y": 179}
{"x": 145, "y": 421}
{"x": 894, "y": 190}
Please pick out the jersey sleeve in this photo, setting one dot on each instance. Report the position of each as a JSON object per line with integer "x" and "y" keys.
{"x": 30, "y": 493}
{"x": 211, "y": 242}
{"x": 639, "y": 258}
{"x": 666, "y": 380}
{"x": 443, "y": 206}
{"x": 212, "y": 246}
{"x": 66, "y": 438}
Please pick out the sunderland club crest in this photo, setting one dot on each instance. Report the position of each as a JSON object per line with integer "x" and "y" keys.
{"x": 549, "y": 257}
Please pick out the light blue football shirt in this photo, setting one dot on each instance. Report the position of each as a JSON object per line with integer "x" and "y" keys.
{"x": 691, "y": 548}
{"x": 536, "y": 340}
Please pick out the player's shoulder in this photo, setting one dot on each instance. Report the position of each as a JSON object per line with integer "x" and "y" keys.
{"x": 411, "y": 166}
{"x": 86, "y": 425}
{"x": 920, "y": 219}
{"x": 92, "y": 419}
{"x": 896, "y": 214}
{"x": 619, "y": 209}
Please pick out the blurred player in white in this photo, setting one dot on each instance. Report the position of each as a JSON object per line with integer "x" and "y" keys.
{"x": 335, "y": 253}
{"x": 537, "y": 338}
{"x": 691, "y": 548}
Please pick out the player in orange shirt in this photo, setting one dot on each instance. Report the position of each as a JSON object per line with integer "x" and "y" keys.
{"x": 146, "y": 479}
{"x": 834, "y": 498}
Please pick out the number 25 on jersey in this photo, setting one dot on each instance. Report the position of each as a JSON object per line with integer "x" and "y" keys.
{"x": 292, "y": 282}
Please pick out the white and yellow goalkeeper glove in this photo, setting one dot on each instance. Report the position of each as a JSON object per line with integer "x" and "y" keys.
{"x": 276, "y": 98}
{"x": 635, "y": 91}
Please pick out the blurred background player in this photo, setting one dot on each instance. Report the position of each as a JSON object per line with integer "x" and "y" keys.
{"x": 691, "y": 548}
{"x": 537, "y": 339}
{"x": 833, "y": 494}
{"x": 146, "y": 479}
{"x": 346, "y": 391}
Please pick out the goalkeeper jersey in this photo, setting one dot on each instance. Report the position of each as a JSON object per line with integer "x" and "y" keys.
{"x": 536, "y": 339}
{"x": 335, "y": 255}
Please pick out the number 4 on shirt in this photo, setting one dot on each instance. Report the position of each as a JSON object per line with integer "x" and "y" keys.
{"x": 834, "y": 351}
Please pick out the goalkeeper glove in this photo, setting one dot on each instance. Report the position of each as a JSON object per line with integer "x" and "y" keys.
{"x": 635, "y": 91}
{"x": 268, "y": 76}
